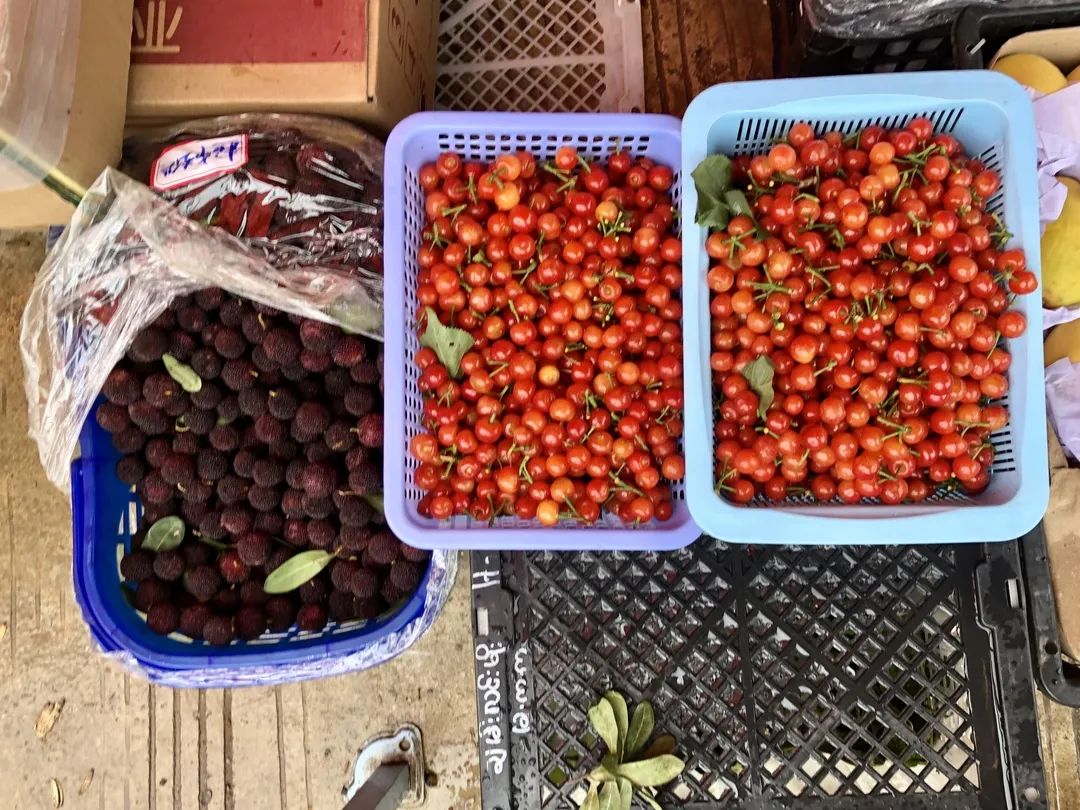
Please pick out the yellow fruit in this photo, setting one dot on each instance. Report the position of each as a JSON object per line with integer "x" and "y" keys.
{"x": 1074, "y": 76}
{"x": 1061, "y": 252}
{"x": 1064, "y": 341}
{"x": 1036, "y": 72}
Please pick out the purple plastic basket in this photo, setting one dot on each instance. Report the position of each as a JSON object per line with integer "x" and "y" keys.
{"x": 483, "y": 136}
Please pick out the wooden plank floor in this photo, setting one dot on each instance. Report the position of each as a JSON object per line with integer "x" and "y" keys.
{"x": 691, "y": 44}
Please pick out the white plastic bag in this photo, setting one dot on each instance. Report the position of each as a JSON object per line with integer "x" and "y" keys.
{"x": 125, "y": 256}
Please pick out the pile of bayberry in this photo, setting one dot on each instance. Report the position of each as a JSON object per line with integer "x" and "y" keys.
{"x": 548, "y": 305}
{"x": 253, "y": 439}
{"x": 860, "y": 304}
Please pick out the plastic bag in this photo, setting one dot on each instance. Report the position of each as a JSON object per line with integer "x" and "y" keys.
{"x": 1063, "y": 403}
{"x": 125, "y": 256}
{"x": 299, "y": 189}
{"x": 881, "y": 19}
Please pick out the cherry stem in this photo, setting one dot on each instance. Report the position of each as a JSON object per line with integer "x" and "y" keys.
{"x": 827, "y": 367}
{"x": 622, "y": 485}
{"x": 902, "y": 428}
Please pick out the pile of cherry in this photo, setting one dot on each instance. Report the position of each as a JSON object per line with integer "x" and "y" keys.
{"x": 549, "y": 312}
{"x": 859, "y": 306}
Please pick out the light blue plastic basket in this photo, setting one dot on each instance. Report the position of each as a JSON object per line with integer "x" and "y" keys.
{"x": 483, "y": 136}
{"x": 992, "y": 117}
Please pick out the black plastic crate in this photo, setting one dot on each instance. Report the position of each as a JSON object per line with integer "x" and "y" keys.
{"x": 799, "y": 50}
{"x": 979, "y": 32}
{"x": 1058, "y": 677}
{"x": 843, "y": 677}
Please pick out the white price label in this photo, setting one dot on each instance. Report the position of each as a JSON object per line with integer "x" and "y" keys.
{"x": 198, "y": 160}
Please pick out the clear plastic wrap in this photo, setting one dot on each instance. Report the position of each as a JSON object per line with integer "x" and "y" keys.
{"x": 299, "y": 189}
{"x": 125, "y": 256}
{"x": 882, "y": 19}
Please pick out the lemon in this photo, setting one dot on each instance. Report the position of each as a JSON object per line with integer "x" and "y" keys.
{"x": 1074, "y": 76}
{"x": 1036, "y": 72}
{"x": 1061, "y": 252}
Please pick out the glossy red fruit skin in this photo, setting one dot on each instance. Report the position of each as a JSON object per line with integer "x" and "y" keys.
{"x": 575, "y": 374}
{"x": 897, "y": 319}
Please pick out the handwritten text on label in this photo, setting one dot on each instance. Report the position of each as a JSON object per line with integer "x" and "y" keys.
{"x": 198, "y": 160}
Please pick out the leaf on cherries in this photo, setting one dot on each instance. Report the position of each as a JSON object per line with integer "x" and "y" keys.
{"x": 759, "y": 375}
{"x": 449, "y": 343}
{"x": 712, "y": 179}
{"x": 718, "y": 202}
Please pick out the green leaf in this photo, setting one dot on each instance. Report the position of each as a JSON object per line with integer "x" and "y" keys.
{"x": 712, "y": 213}
{"x": 759, "y": 373}
{"x": 602, "y": 717}
{"x": 185, "y": 375}
{"x": 449, "y": 344}
{"x": 609, "y": 797}
{"x": 641, "y": 728}
{"x": 618, "y": 706}
{"x": 655, "y": 805}
{"x": 652, "y": 772}
{"x": 601, "y": 774}
{"x": 713, "y": 176}
{"x": 626, "y": 793}
{"x": 357, "y": 317}
{"x": 712, "y": 179}
{"x": 664, "y": 744}
{"x": 297, "y": 570}
{"x": 737, "y": 203}
{"x": 592, "y": 801}
{"x": 375, "y": 501}
{"x": 165, "y": 534}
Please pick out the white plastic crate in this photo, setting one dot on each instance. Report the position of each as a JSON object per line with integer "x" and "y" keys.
{"x": 540, "y": 56}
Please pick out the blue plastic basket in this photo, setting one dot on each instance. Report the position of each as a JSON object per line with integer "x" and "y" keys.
{"x": 105, "y": 513}
{"x": 483, "y": 136}
{"x": 992, "y": 117}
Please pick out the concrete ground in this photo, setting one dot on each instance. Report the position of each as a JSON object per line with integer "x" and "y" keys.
{"x": 117, "y": 742}
{"x": 1059, "y": 730}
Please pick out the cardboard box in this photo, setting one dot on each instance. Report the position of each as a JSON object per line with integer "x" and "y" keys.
{"x": 96, "y": 121}
{"x": 371, "y": 61}
{"x": 1060, "y": 45}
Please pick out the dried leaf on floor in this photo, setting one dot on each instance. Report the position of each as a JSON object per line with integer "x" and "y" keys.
{"x": 87, "y": 780}
{"x": 58, "y": 794}
{"x": 50, "y": 713}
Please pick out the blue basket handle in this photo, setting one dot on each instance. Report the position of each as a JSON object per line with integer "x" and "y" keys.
{"x": 863, "y": 105}
{"x": 866, "y": 96}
